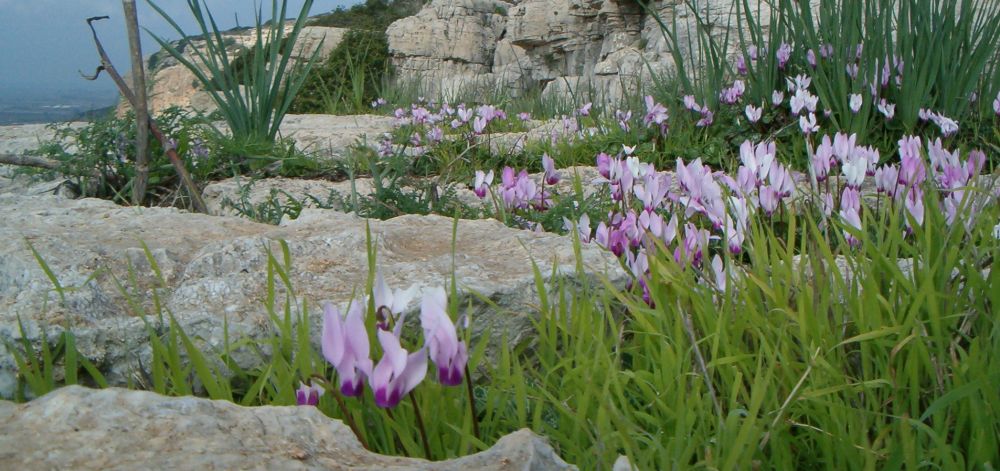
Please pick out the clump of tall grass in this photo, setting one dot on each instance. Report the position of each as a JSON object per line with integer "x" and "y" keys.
{"x": 254, "y": 97}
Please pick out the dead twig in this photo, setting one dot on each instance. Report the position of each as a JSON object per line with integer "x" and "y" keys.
{"x": 37, "y": 161}
{"x": 199, "y": 204}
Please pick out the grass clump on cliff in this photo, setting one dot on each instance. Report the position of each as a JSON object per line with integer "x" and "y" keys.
{"x": 358, "y": 69}
{"x": 374, "y": 15}
{"x": 348, "y": 80}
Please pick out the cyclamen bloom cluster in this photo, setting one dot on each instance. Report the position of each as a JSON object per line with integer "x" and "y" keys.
{"x": 519, "y": 191}
{"x": 345, "y": 344}
{"x": 705, "y": 206}
{"x": 732, "y": 95}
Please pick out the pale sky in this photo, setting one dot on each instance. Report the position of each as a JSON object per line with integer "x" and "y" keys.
{"x": 46, "y": 42}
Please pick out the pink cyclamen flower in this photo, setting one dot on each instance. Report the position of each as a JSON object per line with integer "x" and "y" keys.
{"x": 826, "y": 51}
{"x": 707, "y": 118}
{"x": 389, "y": 303}
{"x": 753, "y": 113}
{"x": 914, "y": 203}
{"x": 777, "y": 98}
{"x": 719, "y": 271}
{"x": 308, "y": 395}
{"x": 655, "y": 114}
{"x": 854, "y": 171}
{"x": 996, "y": 104}
{"x": 887, "y": 180}
{"x": 852, "y": 70}
{"x": 947, "y": 125}
{"x": 844, "y": 146}
{"x": 855, "y": 102}
{"x": 741, "y": 65}
{"x": 345, "y": 345}
{"x": 887, "y": 109}
{"x": 585, "y": 109}
{"x": 803, "y": 100}
{"x": 524, "y": 116}
{"x": 808, "y": 124}
{"x": 623, "y": 118}
{"x": 482, "y": 183}
{"x": 912, "y": 171}
{"x": 549, "y": 165}
{"x": 582, "y": 227}
{"x": 449, "y": 354}
{"x": 435, "y": 135}
{"x": 783, "y": 54}
{"x": 822, "y": 158}
{"x": 479, "y": 124}
{"x": 811, "y": 58}
{"x": 604, "y": 165}
{"x": 850, "y": 208}
{"x": 690, "y": 104}
{"x": 465, "y": 114}
{"x": 769, "y": 200}
{"x": 398, "y": 372}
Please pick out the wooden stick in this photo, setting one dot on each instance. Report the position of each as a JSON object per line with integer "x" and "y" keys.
{"x": 26, "y": 160}
{"x": 141, "y": 104}
{"x": 199, "y": 204}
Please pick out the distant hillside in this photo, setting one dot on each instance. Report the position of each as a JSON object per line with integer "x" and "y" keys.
{"x": 55, "y": 107}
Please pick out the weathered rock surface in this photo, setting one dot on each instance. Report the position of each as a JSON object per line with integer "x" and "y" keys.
{"x": 24, "y": 138}
{"x": 214, "y": 271}
{"x": 593, "y": 48}
{"x": 331, "y": 136}
{"x": 78, "y": 428}
{"x": 223, "y": 197}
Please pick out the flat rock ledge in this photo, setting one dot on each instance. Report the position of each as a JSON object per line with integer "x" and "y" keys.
{"x": 111, "y": 429}
{"x": 212, "y": 272}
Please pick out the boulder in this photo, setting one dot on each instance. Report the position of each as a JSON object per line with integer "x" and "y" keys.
{"x": 212, "y": 271}
{"x": 110, "y": 429}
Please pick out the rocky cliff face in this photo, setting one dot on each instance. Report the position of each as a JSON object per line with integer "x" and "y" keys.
{"x": 598, "y": 47}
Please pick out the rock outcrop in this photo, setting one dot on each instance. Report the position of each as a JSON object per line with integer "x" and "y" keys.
{"x": 214, "y": 272}
{"x": 588, "y": 48}
{"x": 111, "y": 429}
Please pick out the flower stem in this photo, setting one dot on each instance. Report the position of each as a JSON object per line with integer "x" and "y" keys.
{"x": 472, "y": 404}
{"x": 343, "y": 409}
{"x": 420, "y": 425}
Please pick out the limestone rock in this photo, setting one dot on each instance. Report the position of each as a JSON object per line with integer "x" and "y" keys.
{"x": 223, "y": 197}
{"x": 214, "y": 271}
{"x": 604, "y": 48}
{"x": 331, "y": 136}
{"x": 448, "y": 38}
{"x": 25, "y": 138}
{"x": 78, "y": 428}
